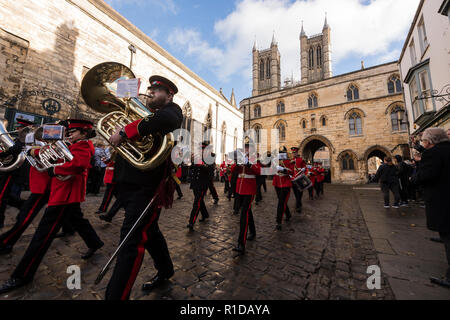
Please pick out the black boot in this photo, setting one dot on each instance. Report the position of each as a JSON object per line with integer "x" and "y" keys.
{"x": 12, "y": 284}
{"x": 442, "y": 282}
{"x": 251, "y": 236}
{"x": 278, "y": 227}
{"x": 91, "y": 252}
{"x": 435, "y": 239}
{"x": 240, "y": 249}
{"x": 105, "y": 217}
{"x": 156, "y": 281}
{"x": 190, "y": 226}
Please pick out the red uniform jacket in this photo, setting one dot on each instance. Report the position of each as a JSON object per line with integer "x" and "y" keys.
{"x": 179, "y": 172}
{"x": 223, "y": 168}
{"x": 72, "y": 190}
{"x": 300, "y": 163}
{"x": 232, "y": 169}
{"x": 320, "y": 174}
{"x": 283, "y": 180}
{"x": 39, "y": 181}
{"x": 246, "y": 182}
{"x": 311, "y": 175}
{"x": 109, "y": 173}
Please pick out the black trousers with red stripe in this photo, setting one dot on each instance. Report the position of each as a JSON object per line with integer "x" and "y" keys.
{"x": 212, "y": 189}
{"x": 199, "y": 205}
{"x": 107, "y": 197}
{"x": 28, "y": 212}
{"x": 49, "y": 226}
{"x": 283, "y": 208}
{"x": 247, "y": 223}
{"x": 147, "y": 237}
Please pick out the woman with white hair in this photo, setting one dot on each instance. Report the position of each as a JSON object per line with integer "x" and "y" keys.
{"x": 434, "y": 175}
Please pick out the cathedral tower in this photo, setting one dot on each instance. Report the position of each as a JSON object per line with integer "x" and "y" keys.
{"x": 315, "y": 55}
{"x": 266, "y": 69}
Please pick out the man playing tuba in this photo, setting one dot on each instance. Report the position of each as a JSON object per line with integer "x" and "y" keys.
{"x": 136, "y": 188}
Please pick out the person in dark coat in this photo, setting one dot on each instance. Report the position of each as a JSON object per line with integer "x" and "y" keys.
{"x": 433, "y": 174}
{"x": 387, "y": 175}
{"x": 404, "y": 172}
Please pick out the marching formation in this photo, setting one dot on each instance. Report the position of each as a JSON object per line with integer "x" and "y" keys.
{"x": 139, "y": 174}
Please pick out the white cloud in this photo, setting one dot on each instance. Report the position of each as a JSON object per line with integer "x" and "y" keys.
{"x": 166, "y": 6}
{"x": 360, "y": 29}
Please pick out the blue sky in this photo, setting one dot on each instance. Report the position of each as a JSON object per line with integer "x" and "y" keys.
{"x": 214, "y": 38}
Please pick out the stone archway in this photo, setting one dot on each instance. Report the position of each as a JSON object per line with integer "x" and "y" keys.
{"x": 372, "y": 158}
{"x": 309, "y": 146}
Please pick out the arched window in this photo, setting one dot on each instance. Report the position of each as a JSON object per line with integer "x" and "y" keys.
{"x": 281, "y": 131}
{"x": 257, "y": 129}
{"x": 352, "y": 93}
{"x": 394, "y": 84}
{"x": 187, "y": 117}
{"x": 257, "y": 112}
{"x": 311, "y": 58}
{"x": 319, "y": 56}
{"x": 268, "y": 69}
{"x": 347, "y": 162}
{"x": 280, "y": 107}
{"x": 398, "y": 119}
{"x": 303, "y": 123}
{"x": 261, "y": 70}
{"x": 355, "y": 124}
{"x": 323, "y": 121}
{"x": 312, "y": 101}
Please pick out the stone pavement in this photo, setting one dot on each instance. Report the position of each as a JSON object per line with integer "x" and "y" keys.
{"x": 321, "y": 254}
{"x": 408, "y": 258}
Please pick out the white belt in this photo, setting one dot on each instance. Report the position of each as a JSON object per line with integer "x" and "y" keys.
{"x": 247, "y": 176}
{"x": 109, "y": 168}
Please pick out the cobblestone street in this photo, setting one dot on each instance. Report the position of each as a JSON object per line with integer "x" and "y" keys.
{"x": 321, "y": 254}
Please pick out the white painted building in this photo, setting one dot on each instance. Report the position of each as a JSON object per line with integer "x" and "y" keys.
{"x": 425, "y": 67}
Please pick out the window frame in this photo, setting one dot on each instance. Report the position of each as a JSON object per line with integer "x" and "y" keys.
{"x": 415, "y": 86}
{"x": 354, "y": 117}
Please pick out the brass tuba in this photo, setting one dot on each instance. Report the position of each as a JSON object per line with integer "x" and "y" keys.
{"x": 98, "y": 90}
{"x": 11, "y": 162}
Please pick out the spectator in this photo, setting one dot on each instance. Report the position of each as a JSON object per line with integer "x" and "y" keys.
{"x": 404, "y": 172}
{"x": 387, "y": 175}
{"x": 434, "y": 175}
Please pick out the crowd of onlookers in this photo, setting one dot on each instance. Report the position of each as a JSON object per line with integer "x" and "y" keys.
{"x": 425, "y": 177}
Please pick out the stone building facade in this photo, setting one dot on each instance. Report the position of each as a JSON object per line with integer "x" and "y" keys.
{"x": 356, "y": 116}
{"x": 47, "y": 46}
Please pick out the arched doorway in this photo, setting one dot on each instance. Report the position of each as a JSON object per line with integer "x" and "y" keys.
{"x": 318, "y": 148}
{"x": 373, "y": 158}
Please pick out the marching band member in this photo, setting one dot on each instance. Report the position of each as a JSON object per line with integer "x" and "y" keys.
{"x": 8, "y": 179}
{"x": 64, "y": 205}
{"x": 40, "y": 193}
{"x": 200, "y": 179}
{"x": 246, "y": 191}
{"x": 311, "y": 175}
{"x": 111, "y": 190}
{"x": 283, "y": 184}
{"x": 320, "y": 177}
{"x": 135, "y": 190}
{"x": 299, "y": 164}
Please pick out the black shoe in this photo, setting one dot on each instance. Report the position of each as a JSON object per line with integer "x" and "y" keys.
{"x": 12, "y": 284}
{"x": 5, "y": 249}
{"x": 64, "y": 234}
{"x": 288, "y": 218}
{"x": 203, "y": 219}
{"x": 179, "y": 197}
{"x": 99, "y": 211}
{"x": 190, "y": 226}
{"x": 105, "y": 217}
{"x": 235, "y": 212}
{"x": 435, "y": 239}
{"x": 278, "y": 227}
{"x": 90, "y": 252}
{"x": 240, "y": 249}
{"x": 216, "y": 201}
{"x": 156, "y": 281}
{"x": 251, "y": 236}
{"x": 439, "y": 281}
{"x": 298, "y": 210}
